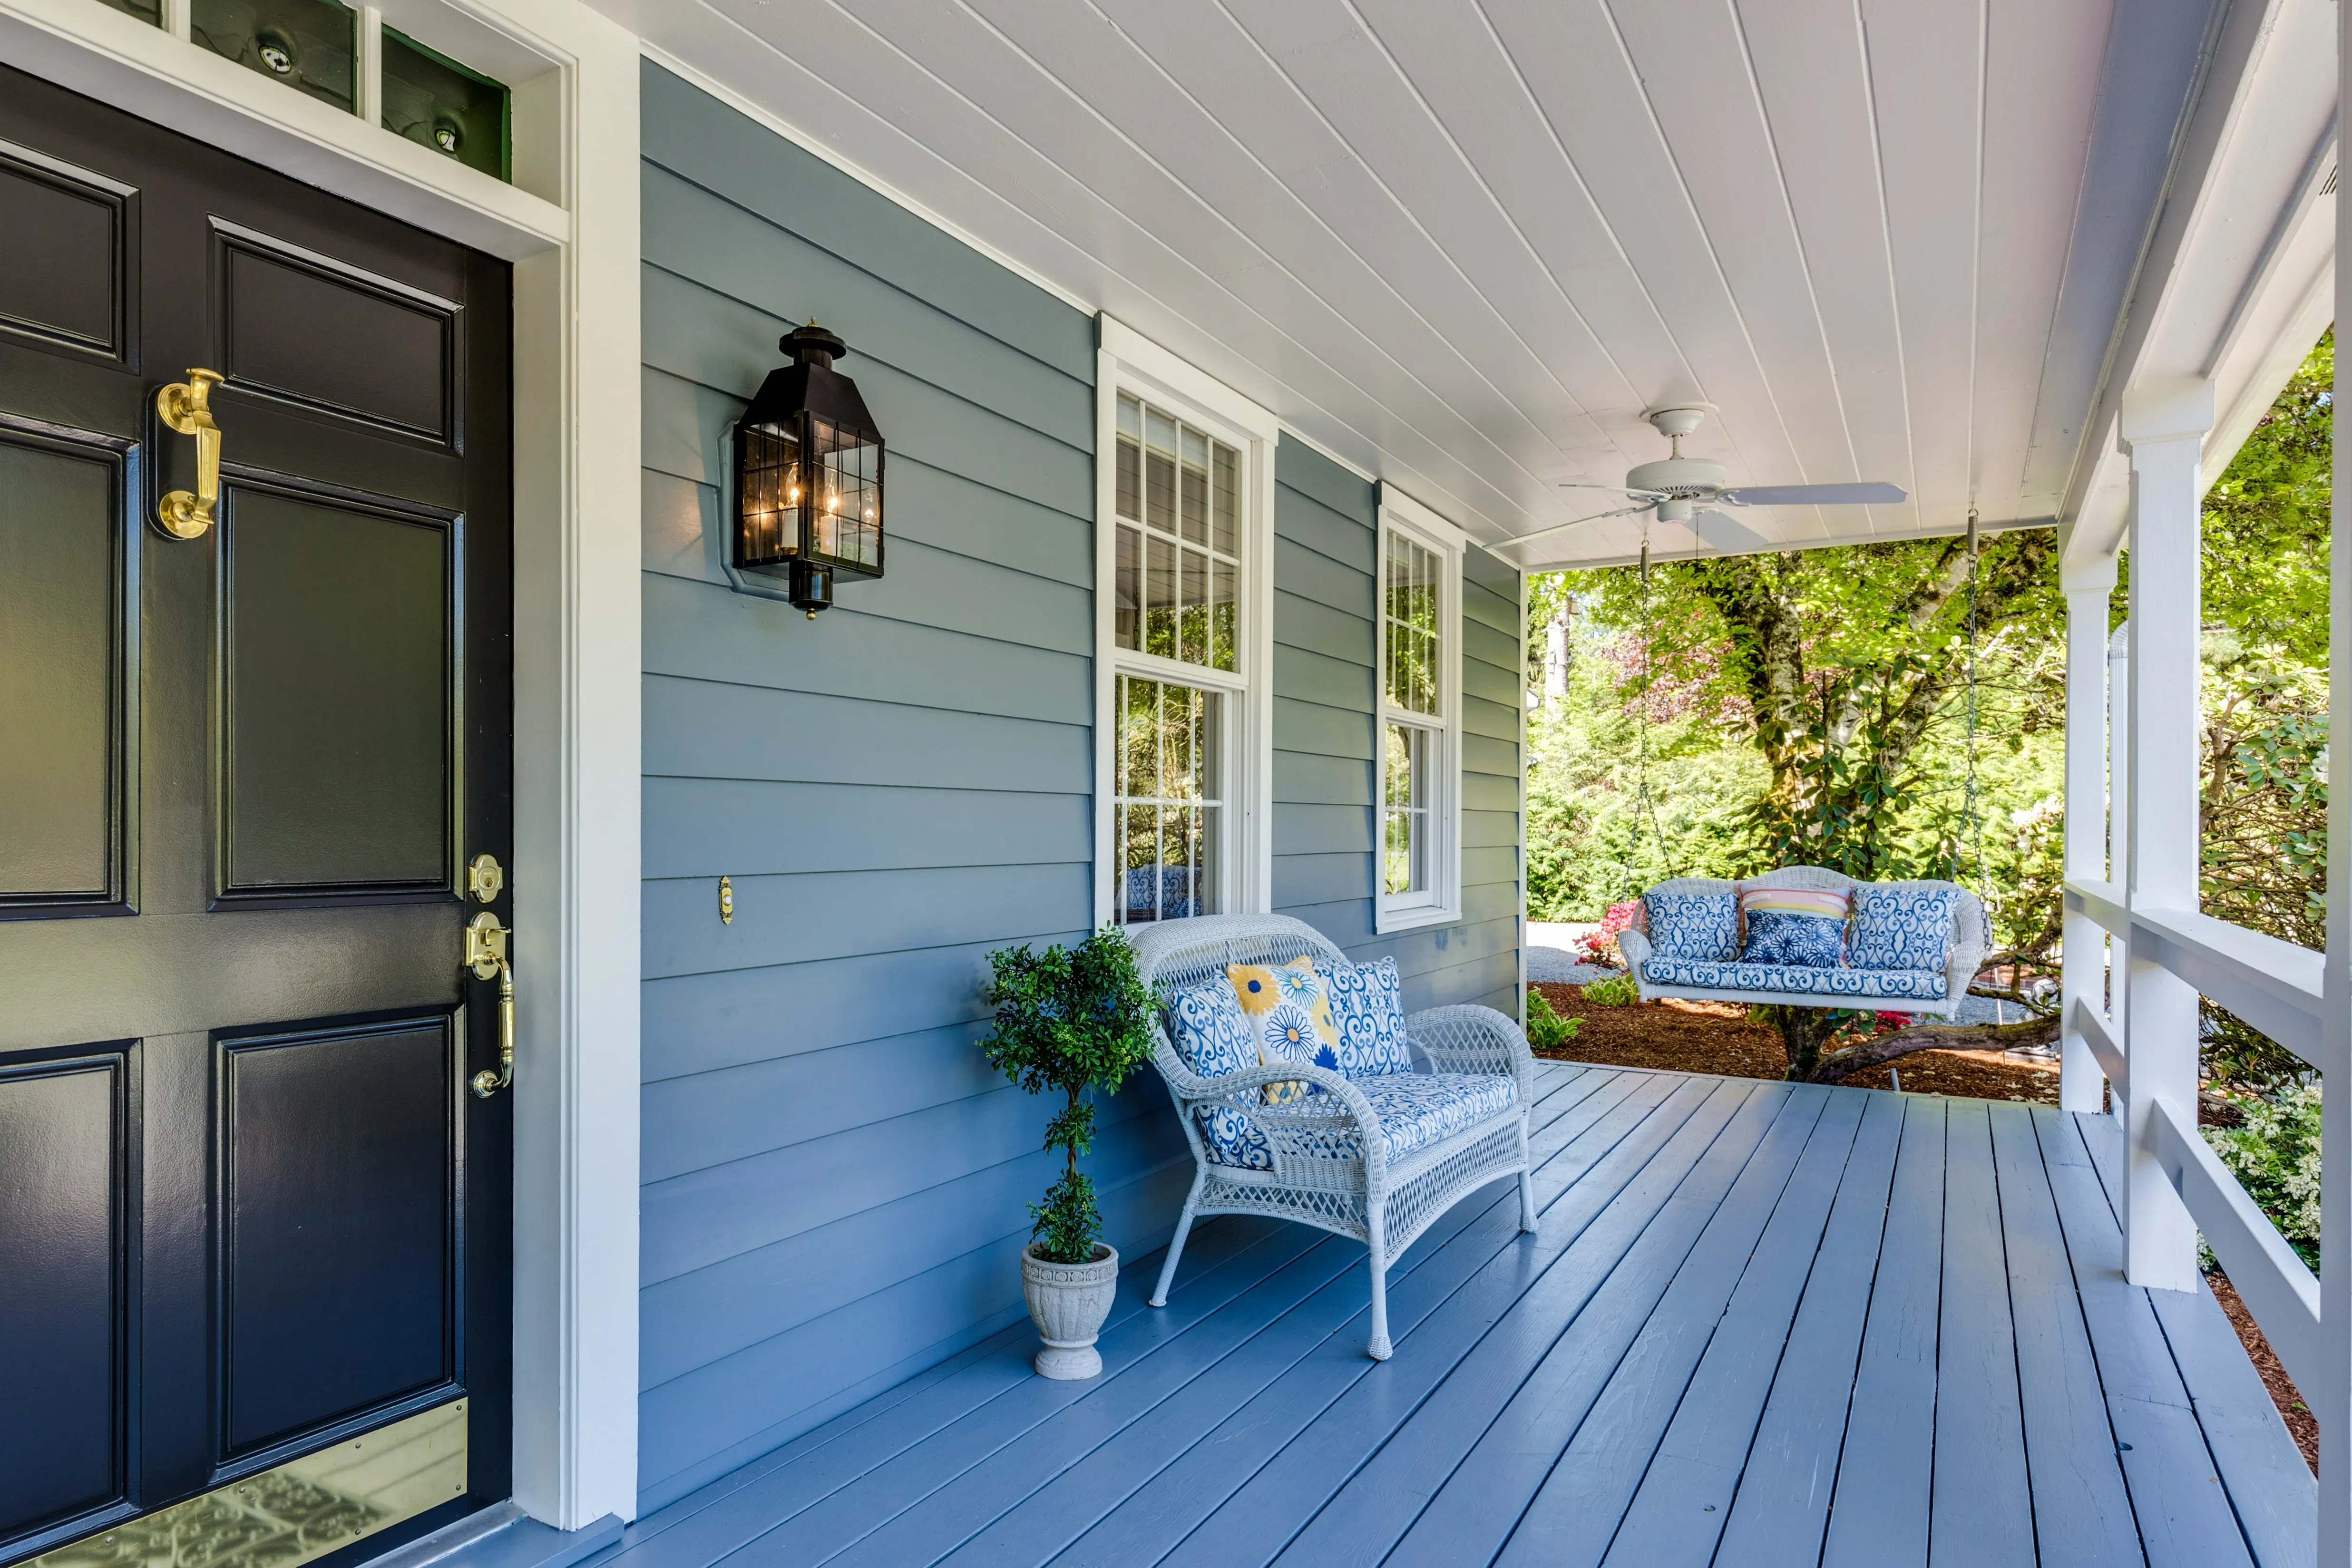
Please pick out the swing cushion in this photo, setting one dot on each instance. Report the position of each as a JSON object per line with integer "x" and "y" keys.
{"x": 1792, "y": 926}
{"x": 1703, "y": 926}
{"x": 1902, "y": 928}
{"x": 1797, "y": 979}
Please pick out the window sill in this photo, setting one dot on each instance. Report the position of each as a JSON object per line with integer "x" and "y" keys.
{"x": 1411, "y": 916}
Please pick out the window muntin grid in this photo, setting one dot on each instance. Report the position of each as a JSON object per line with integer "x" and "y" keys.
{"x": 1405, "y": 839}
{"x": 1414, "y": 716}
{"x": 1409, "y": 614}
{"x": 1166, "y": 804}
{"x": 1178, "y": 558}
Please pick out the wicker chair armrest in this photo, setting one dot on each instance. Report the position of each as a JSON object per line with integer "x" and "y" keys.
{"x": 1972, "y": 942}
{"x": 1469, "y": 1037}
{"x": 1635, "y": 946}
{"x": 1341, "y": 1103}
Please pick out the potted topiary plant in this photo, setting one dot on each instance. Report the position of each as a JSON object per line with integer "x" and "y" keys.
{"x": 1072, "y": 1021}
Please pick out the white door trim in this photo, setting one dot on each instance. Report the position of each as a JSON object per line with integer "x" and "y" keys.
{"x": 570, "y": 224}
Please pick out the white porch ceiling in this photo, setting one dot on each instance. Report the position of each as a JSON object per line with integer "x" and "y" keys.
{"x": 1463, "y": 244}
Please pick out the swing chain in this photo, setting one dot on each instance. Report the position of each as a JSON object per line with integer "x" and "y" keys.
{"x": 1971, "y": 823}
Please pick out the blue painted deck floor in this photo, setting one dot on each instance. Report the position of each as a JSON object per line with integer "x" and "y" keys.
{"x": 1761, "y": 1324}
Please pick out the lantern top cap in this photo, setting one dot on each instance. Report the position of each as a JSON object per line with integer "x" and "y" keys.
{"x": 813, "y": 345}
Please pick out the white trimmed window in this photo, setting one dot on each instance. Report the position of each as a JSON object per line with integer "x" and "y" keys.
{"x": 1184, "y": 638}
{"x": 1419, "y": 862}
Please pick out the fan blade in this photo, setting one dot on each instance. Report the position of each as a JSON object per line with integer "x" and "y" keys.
{"x": 1578, "y": 523}
{"x": 1728, "y": 534}
{"x": 1814, "y": 496}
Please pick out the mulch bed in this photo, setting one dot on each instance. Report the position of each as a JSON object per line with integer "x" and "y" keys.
{"x": 1717, "y": 1037}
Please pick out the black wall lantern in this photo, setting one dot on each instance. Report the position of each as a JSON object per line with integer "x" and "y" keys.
{"x": 808, "y": 474}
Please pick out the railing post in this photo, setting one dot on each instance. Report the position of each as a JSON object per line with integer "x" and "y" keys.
{"x": 2164, "y": 424}
{"x": 2088, "y": 583}
{"x": 2118, "y": 840}
{"x": 2331, "y": 1402}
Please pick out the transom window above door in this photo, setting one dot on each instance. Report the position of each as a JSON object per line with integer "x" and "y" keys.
{"x": 1179, "y": 508}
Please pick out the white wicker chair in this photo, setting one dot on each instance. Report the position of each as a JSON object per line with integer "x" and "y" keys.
{"x": 1971, "y": 939}
{"x": 1319, "y": 1176}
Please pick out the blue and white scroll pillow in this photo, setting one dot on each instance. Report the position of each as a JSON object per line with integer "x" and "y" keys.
{"x": 1367, "y": 1004}
{"x": 1701, "y": 927}
{"x": 1902, "y": 928}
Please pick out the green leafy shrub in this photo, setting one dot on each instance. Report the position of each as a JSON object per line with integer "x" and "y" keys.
{"x": 1068, "y": 1020}
{"x": 1547, "y": 1030}
{"x": 1613, "y": 992}
{"x": 2274, "y": 1152}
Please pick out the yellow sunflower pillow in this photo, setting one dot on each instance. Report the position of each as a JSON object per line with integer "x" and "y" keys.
{"x": 1290, "y": 1009}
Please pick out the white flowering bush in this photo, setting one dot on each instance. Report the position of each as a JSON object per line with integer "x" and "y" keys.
{"x": 2274, "y": 1152}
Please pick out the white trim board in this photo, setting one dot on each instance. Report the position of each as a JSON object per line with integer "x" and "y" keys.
{"x": 571, "y": 225}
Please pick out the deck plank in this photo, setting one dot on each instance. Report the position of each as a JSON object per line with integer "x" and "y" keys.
{"x": 1980, "y": 1514}
{"x": 1604, "y": 1217}
{"x": 1878, "y": 1510}
{"x": 1725, "y": 1315}
{"x": 2270, "y": 1486}
{"x": 1034, "y": 1528}
{"x": 1248, "y": 1340}
{"x": 1781, "y": 1510}
{"x": 1761, "y": 1323}
{"x": 1538, "y": 1374}
{"x": 2184, "y": 1515}
{"x": 1239, "y": 1255}
{"x": 1168, "y": 1507}
{"x": 2082, "y": 1509}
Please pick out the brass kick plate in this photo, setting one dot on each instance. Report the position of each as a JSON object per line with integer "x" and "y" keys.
{"x": 302, "y": 1509}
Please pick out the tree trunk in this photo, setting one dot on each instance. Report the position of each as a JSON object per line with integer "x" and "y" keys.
{"x": 1884, "y": 1048}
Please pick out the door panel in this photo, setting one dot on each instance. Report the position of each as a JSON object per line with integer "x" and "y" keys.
{"x": 277, "y": 298}
{"x": 339, "y": 1241}
{"x": 62, "y": 670}
{"x": 338, "y": 637}
{"x": 67, "y": 279}
{"x": 61, "y": 1311}
{"x": 251, "y": 763}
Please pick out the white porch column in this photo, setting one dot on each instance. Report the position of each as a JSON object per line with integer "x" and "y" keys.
{"x": 2088, "y": 584}
{"x": 2164, "y": 424}
{"x": 2118, "y": 818}
{"x": 2331, "y": 1401}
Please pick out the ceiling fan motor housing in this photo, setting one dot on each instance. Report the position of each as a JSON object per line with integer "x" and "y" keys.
{"x": 1689, "y": 478}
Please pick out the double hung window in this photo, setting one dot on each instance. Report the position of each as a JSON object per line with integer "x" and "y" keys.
{"x": 1182, "y": 701}
{"x": 1419, "y": 857}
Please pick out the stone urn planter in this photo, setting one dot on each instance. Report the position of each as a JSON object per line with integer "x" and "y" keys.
{"x": 1068, "y": 1302}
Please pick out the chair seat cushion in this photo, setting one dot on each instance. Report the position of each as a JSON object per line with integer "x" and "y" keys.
{"x": 1415, "y": 1109}
{"x": 1796, "y": 978}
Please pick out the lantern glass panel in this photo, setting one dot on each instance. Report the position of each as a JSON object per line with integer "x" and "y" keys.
{"x": 846, "y": 515}
{"x": 770, "y": 480}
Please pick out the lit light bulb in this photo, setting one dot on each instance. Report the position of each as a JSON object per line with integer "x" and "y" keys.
{"x": 833, "y": 503}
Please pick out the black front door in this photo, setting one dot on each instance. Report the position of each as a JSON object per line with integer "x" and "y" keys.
{"x": 253, "y": 1224}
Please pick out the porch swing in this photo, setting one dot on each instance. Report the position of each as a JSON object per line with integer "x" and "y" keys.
{"x": 1909, "y": 947}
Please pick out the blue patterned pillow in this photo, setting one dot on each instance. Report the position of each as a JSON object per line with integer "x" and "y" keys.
{"x": 1368, "y": 1006}
{"x": 1702, "y": 926}
{"x": 1786, "y": 936}
{"x": 1902, "y": 928}
{"x": 1212, "y": 1034}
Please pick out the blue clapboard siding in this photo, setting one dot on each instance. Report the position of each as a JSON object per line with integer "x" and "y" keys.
{"x": 833, "y": 1181}
{"x": 1326, "y": 670}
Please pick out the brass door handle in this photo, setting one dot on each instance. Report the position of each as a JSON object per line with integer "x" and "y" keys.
{"x": 485, "y": 956}
{"x": 186, "y": 407}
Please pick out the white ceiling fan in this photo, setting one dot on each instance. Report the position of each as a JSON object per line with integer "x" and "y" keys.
{"x": 1687, "y": 490}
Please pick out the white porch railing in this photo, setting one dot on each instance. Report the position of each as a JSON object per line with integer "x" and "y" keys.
{"x": 2138, "y": 953}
